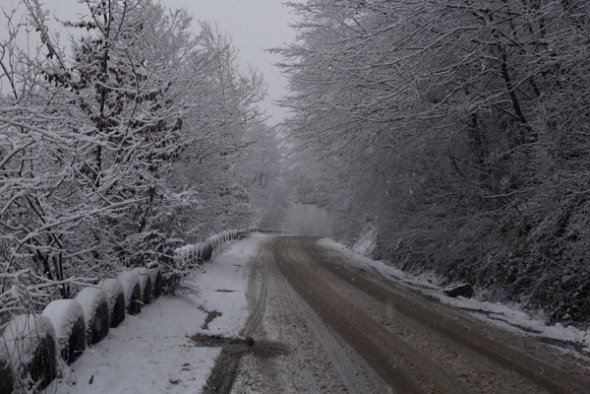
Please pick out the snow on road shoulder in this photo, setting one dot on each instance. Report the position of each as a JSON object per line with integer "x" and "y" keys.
{"x": 147, "y": 353}
{"x": 509, "y": 317}
{"x": 152, "y": 352}
{"x": 222, "y": 289}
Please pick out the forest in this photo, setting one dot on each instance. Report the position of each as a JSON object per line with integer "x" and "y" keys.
{"x": 119, "y": 143}
{"x": 455, "y": 132}
{"x": 458, "y": 132}
{"x": 410, "y": 214}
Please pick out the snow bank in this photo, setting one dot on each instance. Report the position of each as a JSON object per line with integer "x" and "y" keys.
{"x": 67, "y": 318}
{"x": 95, "y": 305}
{"x": 116, "y": 297}
{"x": 28, "y": 346}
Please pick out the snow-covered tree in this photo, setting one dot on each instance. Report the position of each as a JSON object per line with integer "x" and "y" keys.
{"x": 94, "y": 135}
{"x": 458, "y": 128}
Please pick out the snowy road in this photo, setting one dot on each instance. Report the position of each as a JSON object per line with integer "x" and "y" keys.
{"x": 321, "y": 324}
{"x": 321, "y": 321}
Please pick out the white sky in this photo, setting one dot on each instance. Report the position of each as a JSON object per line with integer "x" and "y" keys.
{"x": 254, "y": 25}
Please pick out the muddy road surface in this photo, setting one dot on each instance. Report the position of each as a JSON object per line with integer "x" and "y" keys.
{"x": 341, "y": 329}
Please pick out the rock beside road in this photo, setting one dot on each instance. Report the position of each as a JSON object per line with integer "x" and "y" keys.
{"x": 459, "y": 290}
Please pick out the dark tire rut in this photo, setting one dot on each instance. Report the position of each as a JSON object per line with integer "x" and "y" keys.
{"x": 227, "y": 364}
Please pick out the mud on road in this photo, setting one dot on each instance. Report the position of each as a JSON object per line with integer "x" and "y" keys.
{"x": 345, "y": 330}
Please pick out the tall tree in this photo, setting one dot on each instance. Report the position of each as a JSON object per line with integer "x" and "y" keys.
{"x": 458, "y": 128}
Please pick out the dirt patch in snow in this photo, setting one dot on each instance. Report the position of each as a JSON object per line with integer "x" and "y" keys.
{"x": 235, "y": 345}
{"x": 233, "y": 348}
{"x": 211, "y": 315}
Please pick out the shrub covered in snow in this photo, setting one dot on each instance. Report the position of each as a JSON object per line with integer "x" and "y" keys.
{"x": 145, "y": 284}
{"x": 95, "y": 304}
{"x": 116, "y": 297}
{"x": 148, "y": 246}
{"x": 69, "y": 323}
{"x": 28, "y": 357}
{"x": 130, "y": 282}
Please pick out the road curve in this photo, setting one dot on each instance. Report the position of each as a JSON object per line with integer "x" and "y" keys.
{"x": 415, "y": 344}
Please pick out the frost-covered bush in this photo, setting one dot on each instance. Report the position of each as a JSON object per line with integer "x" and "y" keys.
{"x": 28, "y": 343}
{"x": 67, "y": 318}
{"x": 130, "y": 282}
{"x": 116, "y": 296}
{"x": 95, "y": 305}
{"x": 140, "y": 249}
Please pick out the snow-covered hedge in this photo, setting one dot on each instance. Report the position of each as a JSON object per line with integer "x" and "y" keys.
{"x": 28, "y": 353}
{"x": 67, "y": 318}
{"x": 116, "y": 297}
{"x": 145, "y": 284}
{"x": 130, "y": 282}
{"x": 95, "y": 305}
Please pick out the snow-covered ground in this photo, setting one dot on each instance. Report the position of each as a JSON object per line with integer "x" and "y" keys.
{"x": 509, "y": 317}
{"x": 152, "y": 352}
{"x": 223, "y": 285}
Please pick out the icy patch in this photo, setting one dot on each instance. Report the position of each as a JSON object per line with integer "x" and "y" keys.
{"x": 506, "y": 316}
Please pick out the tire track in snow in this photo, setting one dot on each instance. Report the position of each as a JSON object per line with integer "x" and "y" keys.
{"x": 227, "y": 364}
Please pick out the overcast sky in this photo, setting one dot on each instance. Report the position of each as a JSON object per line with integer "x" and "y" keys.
{"x": 254, "y": 25}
